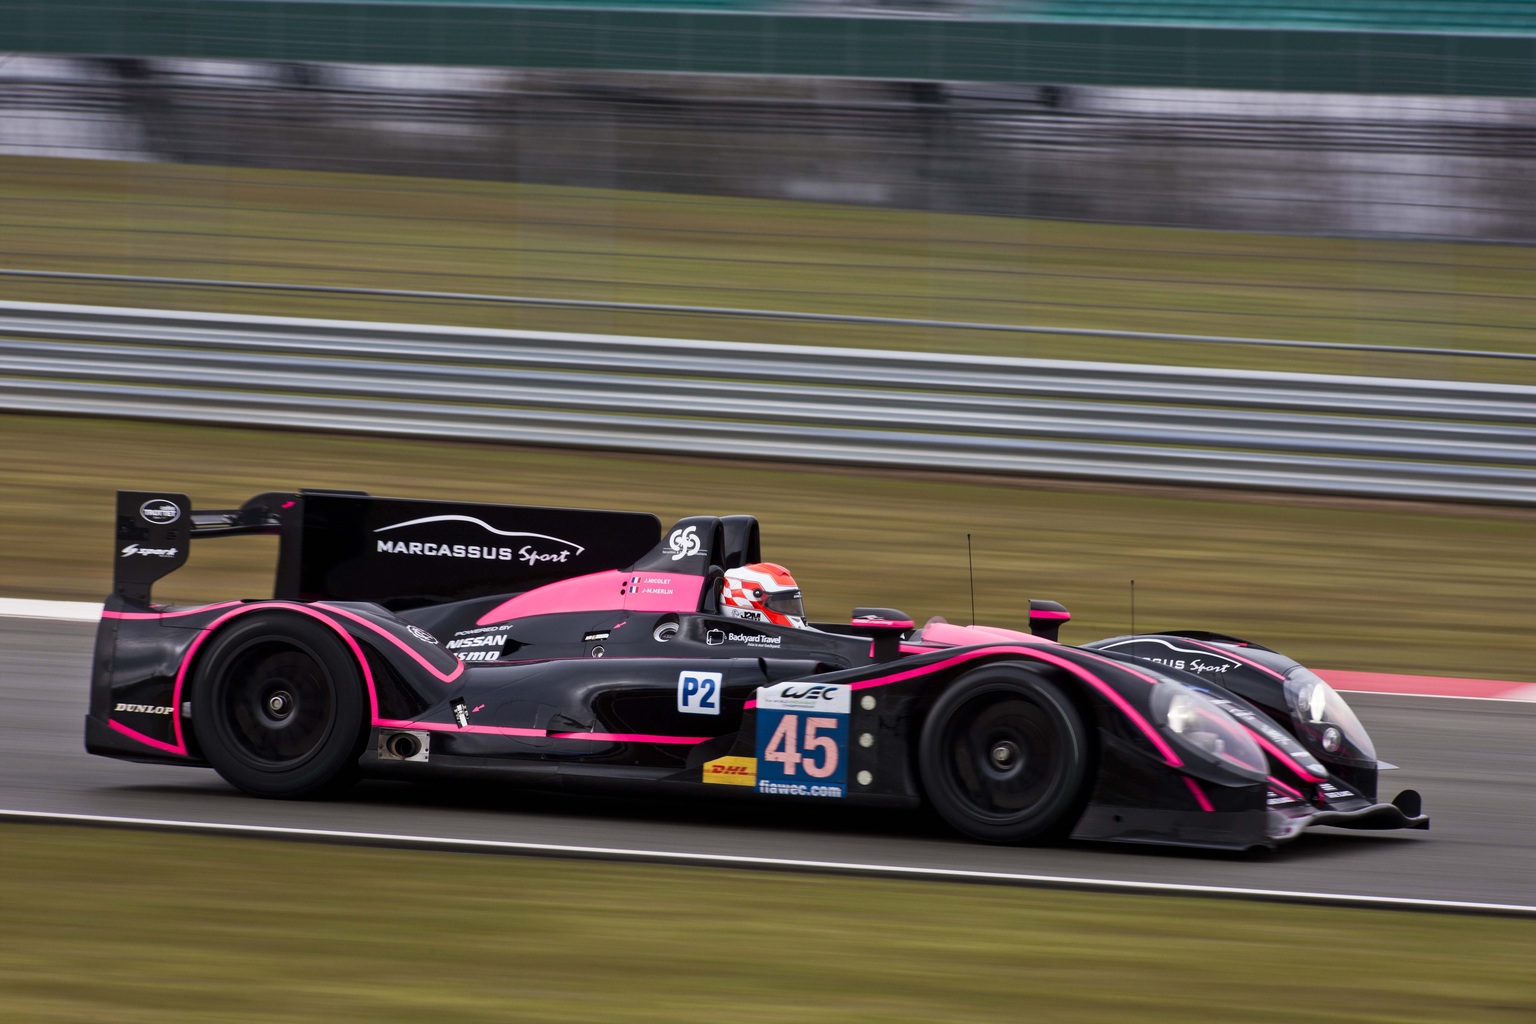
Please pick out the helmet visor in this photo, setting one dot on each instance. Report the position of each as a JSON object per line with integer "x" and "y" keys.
{"x": 785, "y": 602}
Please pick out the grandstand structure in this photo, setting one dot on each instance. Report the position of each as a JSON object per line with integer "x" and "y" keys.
{"x": 1429, "y": 47}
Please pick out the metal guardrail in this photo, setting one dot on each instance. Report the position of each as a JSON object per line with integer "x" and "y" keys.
{"x": 741, "y": 313}
{"x": 1153, "y": 424}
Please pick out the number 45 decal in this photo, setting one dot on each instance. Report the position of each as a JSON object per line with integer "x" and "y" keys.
{"x": 815, "y": 753}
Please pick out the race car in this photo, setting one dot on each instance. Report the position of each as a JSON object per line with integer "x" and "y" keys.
{"x": 415, "y": 639}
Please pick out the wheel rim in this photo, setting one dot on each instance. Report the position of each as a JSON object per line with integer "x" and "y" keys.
{"x": 1006, "y": 757}
{"x": 277, "y": 704}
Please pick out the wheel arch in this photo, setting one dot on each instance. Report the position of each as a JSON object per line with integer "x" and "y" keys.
{"x": 195, "y": 659}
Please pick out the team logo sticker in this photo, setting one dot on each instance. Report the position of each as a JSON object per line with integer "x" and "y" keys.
{"x": 731, "y": 771}
{"x": 684, "y": 542}
{"x": 802, "y": 739}
{"x": 160, "y": 511}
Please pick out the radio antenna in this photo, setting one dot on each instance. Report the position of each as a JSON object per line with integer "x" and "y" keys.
{"x": 970, "y": 564}
{"x": 1133, "y": 607}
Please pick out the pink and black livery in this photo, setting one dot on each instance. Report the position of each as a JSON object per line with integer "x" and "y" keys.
{"x": 413, "y": 639}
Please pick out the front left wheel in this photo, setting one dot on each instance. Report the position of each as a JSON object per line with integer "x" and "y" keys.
{"x": 279, "y": 707}
{"x": 1005, "y": 757}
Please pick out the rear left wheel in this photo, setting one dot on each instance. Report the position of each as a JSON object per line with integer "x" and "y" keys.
{"x": 279, "y": 707}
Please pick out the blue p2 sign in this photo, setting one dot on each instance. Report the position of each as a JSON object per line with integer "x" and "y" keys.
{"x": 698, "y": 693}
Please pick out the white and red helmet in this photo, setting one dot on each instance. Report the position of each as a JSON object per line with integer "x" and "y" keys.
{"x": 762, "y": 592}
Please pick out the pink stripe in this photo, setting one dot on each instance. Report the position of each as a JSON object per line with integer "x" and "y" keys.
{"x": 1030, "y": 652}
{"x": 1199, "y": 794}
{"x": 169, "y": 615}
{"x": 1430, "y": 686}
{"x": 486, "y": 730}
{"x": 458, "y": 666}
{"x": 134, "y": 734}
{"x": 629, "y": 737}
{"x": 1226, "y": 652}
{"x": 1294, "y": 794}
{"x": 1149, "y": 680}
{"x": 1050, "y": 615}
{"x": 499, "y": 730}
{"x": 1283, "y": 757}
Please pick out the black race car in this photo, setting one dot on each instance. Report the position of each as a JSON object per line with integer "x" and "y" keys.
{"x": 414, "y": 638}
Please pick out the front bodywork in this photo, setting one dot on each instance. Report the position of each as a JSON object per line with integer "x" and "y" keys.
{"x": 617, "y": 669}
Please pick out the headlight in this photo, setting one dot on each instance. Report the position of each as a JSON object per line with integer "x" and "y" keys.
{"x": 1325, "y": 722}
{"x": 1205, "y": 730}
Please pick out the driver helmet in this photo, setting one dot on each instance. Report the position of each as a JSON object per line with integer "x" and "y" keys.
{"x": 762, "y": 592}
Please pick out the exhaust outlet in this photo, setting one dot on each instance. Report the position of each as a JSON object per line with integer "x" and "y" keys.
{"x": 404, "y": 746}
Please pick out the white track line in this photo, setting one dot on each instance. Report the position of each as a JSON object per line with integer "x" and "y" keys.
{"x": 772, "y": 863}
{"x": 71, "y": 611}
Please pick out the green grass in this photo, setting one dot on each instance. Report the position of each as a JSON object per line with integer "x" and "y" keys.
{"x": 1377, "y": 586}
{"x": 446, "y": 235}
{"x": 122, "y": 926}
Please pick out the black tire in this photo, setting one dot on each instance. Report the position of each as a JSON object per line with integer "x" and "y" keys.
{"x": 279, "y": 709}
{"x": 1005, "y": 757}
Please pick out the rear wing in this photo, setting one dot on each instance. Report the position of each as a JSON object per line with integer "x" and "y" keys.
{"x": 352, "y": 546}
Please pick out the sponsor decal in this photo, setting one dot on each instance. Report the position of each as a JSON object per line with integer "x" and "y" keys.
{"x": 716, "y": 637}
{"x": 698, "y": 693}
{"x": 461, "y": 712}
{"x": 477, "y": 655}
{"x": 421, "y": 634}
{"x": 594, "y": 636}
{"x": 731, "y": 771}
{"x": 753, "y": 639}
{"x": 802, "y": 739}
{"x": 823, "y": 698}
{"x": 134, "y": 549}
{"x": 146, "y": 709}
{"x": 799, "y": 789}
{"x": 684, "y": 542}
{"x": 484, "y": 629}
{"x": 541, "y": 548}
{"x": 493, "y": 640}
{"x": 1331, "y": 792}
{"x": 1182, "y": 658}
{"x": 160, "y": 511}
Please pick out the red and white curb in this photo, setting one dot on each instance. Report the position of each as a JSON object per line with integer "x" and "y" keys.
{"x": 1429, "y": 686}
{"x": 1353, "y": 682}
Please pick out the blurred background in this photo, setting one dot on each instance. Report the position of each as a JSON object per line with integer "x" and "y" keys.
{"x": 1125, "y": 290}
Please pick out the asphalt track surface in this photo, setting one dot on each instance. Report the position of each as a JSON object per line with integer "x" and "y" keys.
{"x": 1473, "y": 760}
